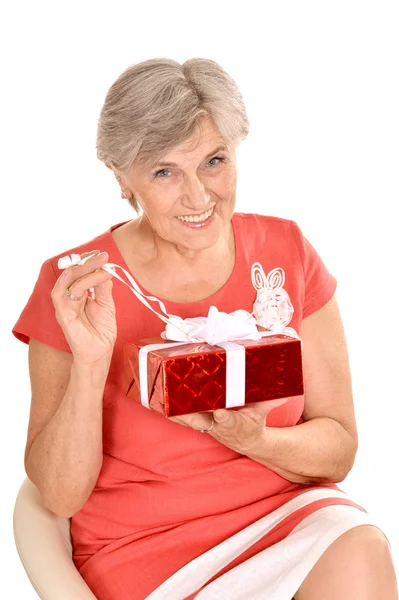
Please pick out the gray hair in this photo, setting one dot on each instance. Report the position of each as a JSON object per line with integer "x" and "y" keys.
{"x": 159, "y": 103}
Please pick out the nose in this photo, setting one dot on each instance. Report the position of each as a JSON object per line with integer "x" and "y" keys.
{"x": 195, "y": 195}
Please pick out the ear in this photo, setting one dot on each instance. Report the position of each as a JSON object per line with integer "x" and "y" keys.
{"x": 121, "y": 183}
{"x": 117, "y": 177}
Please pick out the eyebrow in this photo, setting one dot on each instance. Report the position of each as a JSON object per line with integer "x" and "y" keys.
{"x": 170, "y": 164}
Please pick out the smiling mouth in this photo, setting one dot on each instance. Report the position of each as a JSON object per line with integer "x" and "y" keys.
{"x": 197, "y": 218}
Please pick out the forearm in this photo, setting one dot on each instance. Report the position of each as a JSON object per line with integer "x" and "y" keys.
{"x": 319, "y": 450}
{"x": 66, "y": 457}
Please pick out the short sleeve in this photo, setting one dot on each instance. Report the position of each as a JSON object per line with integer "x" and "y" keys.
{"x": 319, "y": 284}
{"x": 37, "y": 319}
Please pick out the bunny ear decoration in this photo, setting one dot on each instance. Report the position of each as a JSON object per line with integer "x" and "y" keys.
{"x": 272, "y": 308}
{"x": 258, "y": 276}
{"x": 275, "y": 279}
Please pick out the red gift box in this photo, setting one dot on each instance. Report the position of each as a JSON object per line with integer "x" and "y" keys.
{"x": 191, "y": 377}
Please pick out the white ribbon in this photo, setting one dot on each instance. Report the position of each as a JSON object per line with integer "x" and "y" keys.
{"x": 69, "y": 261}
{"x": 217, "y": 329}
{"x": 235, "y": 374}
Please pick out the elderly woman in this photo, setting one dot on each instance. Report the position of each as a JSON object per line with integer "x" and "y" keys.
{"x": 242, "y": 504}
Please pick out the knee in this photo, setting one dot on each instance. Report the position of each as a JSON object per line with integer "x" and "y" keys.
{"x": 362, "y": 557}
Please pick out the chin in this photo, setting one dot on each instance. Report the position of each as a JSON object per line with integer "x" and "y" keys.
{"x": 200, "y": 240}
{"x": 199, "y": 244}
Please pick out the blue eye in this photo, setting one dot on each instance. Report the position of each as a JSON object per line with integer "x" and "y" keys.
{"x": 161, "y": 171}
{"x": 219, "y": 158}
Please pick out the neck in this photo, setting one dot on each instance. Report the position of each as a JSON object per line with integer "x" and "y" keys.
{"x": 162, "y": 250}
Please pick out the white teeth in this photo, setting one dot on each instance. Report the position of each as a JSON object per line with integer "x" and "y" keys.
{"x": 197, "y": 218}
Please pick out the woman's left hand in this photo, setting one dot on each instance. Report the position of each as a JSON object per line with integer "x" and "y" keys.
{"x": 239, "y": 429}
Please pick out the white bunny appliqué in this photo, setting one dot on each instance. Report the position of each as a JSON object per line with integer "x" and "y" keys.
{"x": 272, "y": 308}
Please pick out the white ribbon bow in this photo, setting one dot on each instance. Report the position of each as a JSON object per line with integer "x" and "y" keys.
{"x": 214, "y": 329}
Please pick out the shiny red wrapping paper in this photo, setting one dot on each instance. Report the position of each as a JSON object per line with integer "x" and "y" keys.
{"x": 192, "y": 377}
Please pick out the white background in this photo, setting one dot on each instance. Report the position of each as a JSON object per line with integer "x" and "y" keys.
{"x": 320, "y": 82}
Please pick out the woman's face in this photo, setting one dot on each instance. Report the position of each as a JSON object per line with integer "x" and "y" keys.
{"x": 188, "y": 197}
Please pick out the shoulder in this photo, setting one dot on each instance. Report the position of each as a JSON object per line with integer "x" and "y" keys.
{"x": 261, "y": 229}
{"x": 262, "y": 222}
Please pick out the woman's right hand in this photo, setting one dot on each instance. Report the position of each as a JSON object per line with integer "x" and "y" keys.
{"x": 89, "y": 324}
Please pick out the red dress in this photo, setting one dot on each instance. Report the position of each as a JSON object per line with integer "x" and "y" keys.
{"x": 174, "y": 513}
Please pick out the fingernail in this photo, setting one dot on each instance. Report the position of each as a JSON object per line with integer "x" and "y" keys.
{"x": 87, "y": 258}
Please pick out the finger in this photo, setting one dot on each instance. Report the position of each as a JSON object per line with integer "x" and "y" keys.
{"x": 177, "y": 420}
{"x": 196, "y": 421}
{"x": 91, "y": 252}
{"x": 84, "y": 257}
{"x": 103, "y": 292}
{"x": 209, "y": 419}
{"x": 262, "y": 408}
{"x": 91, "y": 280}
{"x": 270, "y": 404}
{"x": 71, "y": 274}
{"x": 226, "y": 418}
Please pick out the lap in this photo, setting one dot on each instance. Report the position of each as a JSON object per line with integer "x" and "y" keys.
{"x": 289, "y": 560}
